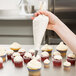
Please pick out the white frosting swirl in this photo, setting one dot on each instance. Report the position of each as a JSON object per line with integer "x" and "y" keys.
{"x": 31, "y": 51}
{"x": 2, "y": 51}
{"x": 44, "y": 54}
{"x": 46, "y": 61}
{"x": 56, "y": 53}
{"x": 71, "y": 55}
{"x": 16, "y": 54}
{"x": 18, "y": 59}
{"x": 66, "y": 63}
{"x": 9, "y": 52}
{"x": 37, "y": 57}
{"x": 22, "y": 50}
{"x": 1, "y": 60}
{"x": 15, "y": 45}
{"x": 61, "y": 46}
{"x": 46, "y": 47}
{"x": 34, "y": 64}
{"x": 58, "y": 57}
{"x": 28, "y": 55}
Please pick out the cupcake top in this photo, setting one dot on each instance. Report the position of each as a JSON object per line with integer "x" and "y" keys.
{"x": 1, "y": 60}
{"x": 21, "y": 50}
{"x": 15, "y": 45}
{"x": 71, "y": 55}
{"x": 34, "y": 64}
{"x": 46, "y": 47}
{"x": 2, "y": 51}
{"x": 9, "y": 52}
{"x": 16, "y": 54}
{"x": 46, "y": 61}
{"x": 28, "y": 55}
{"x": 37, "y": 57}
{"x": 31, "y": 51}
{"x": 44, "y": 54}
{"x": 62, "y": 47}
{"x": 58, "y": 57}
{"x": 56, "y": 53}
{"x": 18, "y": 59}
{"x": 66, "y": 63}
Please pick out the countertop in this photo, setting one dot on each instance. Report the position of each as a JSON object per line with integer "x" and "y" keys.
{"x": 10, "y": 70}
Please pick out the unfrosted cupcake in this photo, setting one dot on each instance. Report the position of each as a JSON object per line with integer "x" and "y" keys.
{"x": 18, "y": 61}
{"x": 44, "y": 55}
{"x": 3, "y": 53}
{"x": 71, "y": 58}
{"x": 15, "y": 46}
{"x": 57, "y": 61}
{"x": 47, "y": 48}
{"x": 56, "y": 53}
{"x": 62, "y": 48}
{"x": 38, "y": 58}
{"x": 9, "y": 54}
{"x": 14, "y": 55}
{"x": 46, "y": 63}
{"x": 32, "y": 52}
{"x": 22, "y": 52}
{"x": 34, "y": 68}
{"x": 1, "y": 63}
{"x": 66, "y": 65}
{"x": 27, "y": 57}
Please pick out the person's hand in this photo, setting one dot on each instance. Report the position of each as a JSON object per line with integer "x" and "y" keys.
{"x": 53, "y": 20}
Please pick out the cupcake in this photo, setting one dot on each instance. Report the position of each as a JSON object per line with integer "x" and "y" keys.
{"x": 18, "y": 61}
{"x": 56, "y": 53}
{"x": 22, "y": 52}
{"x": 9, "y": 54}
{"x": 15, "y": 46}
{"x": 1, "y": 63}
{"x": 38, "y": 58}
{"x": 32, "y": 52}
{"x": 34, "y": 68}
{"x": 66, "y": 65}
{"x": 57, "y": 61}
{"x": 62, "y": 48}
{"x": 3, "y": 53}
{"x": 14, "y": 55}
{"x": 44, "y": 55}
{"x": 71, "y": 58}
{"x": 46, "y": 63}
{"x": 27, "y": 57}
{"x": 47, "y": 48}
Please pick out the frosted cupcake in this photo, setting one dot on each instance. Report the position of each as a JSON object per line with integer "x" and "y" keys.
{"x": 57, "y": 61}
{"x": 14, "y": 55}
{"x": 34, "y": 68}
{"x": 27, "y": 57}
{"x": 71, "y": 58}
{"x": 3, "y": 53}
{"x": 18, "y": 61}
{"x": 47, "y": 48}
{"x": 9, "y": 54}
{"x": 44, "y": 55}
{"x": 66, "y": 65}
{"x": 15, "y": 46}
{"x": 22, "y": 52}
{"x": 56, "y": 53}
{"x": 1, "y": 63}
{"x": 32, "y": 52}
{"x": 38, "y": 58}
{"x": 62, "y": 48}
{"x": 46, "y": 63}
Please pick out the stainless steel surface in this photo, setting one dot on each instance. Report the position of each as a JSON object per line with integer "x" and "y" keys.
{"x": 10, "y": 70}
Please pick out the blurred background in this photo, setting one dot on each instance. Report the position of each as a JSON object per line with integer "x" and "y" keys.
{"x": 16, "y": 23}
